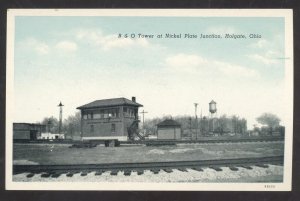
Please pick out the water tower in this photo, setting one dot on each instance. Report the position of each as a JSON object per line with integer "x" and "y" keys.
{"x": 213, "y": 112}
{"x": 212, "y": 108}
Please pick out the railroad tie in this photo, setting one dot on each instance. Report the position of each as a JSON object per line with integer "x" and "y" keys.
{"x": 140, "y": 172}
{"x": 98, "y": 173}
{"x": 114, "y": 172}
{"x": 127, "y": 172}
{"x": 262, "y": 165}
{"x": 233, "y": 168}
{"x": 30, "y": 175}
{"x": 197, "y": 169}
{"x": 216, "y": 168}
{"x": 168, "y": 170}
{"x": 247, "y": 167}
{"x": 155, "y": 171}
{"x": 84, "y": 173}
{"x": 75, "y": 172}
{"x": 46, "y": 175}
{"x": 61, "y": 172}
{"x": 55, "y": 175}
{"x": 69, "y": 174}
{"x": 182, "y": 169}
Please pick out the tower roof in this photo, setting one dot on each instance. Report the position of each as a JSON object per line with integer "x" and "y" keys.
{"x": 212, "y": 102}
{"x": 169, "y": 122}
{"x": 109, "y": 102}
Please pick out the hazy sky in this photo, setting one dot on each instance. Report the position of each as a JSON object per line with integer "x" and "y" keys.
{"x": 77, "y": 60}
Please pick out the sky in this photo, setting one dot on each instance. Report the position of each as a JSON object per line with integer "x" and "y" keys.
{"x": 77, "y": 60}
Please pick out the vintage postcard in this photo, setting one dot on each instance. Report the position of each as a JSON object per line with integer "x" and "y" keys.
{"x": 143, "y": 99}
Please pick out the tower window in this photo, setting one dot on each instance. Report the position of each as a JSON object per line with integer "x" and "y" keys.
{"x": 113, "y": 128}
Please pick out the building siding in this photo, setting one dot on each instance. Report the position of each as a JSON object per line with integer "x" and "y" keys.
{"x": 22, "y": 131}
{"x": 21, "y": 135}
{"x": 168, "y": 133}
{"x": 102, "y": 128}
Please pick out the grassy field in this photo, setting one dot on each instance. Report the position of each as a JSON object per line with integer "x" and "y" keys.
{"x": 61, "y": 154}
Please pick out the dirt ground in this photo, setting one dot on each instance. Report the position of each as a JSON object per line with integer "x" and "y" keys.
{"x": 62, "y": 154}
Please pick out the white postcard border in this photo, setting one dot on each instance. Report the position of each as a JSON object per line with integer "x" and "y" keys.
{"x": 285, "y": 186}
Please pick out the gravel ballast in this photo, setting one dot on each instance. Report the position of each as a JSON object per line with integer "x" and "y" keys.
{"x": 273, "y": 173}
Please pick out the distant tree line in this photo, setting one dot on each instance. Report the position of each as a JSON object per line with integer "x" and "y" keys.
{"x": 71, "y": 126}
{"x": 221, "y": 126}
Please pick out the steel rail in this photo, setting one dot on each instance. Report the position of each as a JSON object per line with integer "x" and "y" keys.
{"x": 201, "y": 141}
{"x": 148, "y": 165}
{"x": 183, "y": 141}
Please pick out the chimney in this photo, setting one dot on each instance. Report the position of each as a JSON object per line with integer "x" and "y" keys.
{"x": 133, "y": 98}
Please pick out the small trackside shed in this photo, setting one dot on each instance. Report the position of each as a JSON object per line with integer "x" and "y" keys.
{"x": 27, "y": 131}
{"x": 168, "y": 130}
{"x": 109, "y": 119}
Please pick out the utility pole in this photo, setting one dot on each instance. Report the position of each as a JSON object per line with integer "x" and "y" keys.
{"x": 143, "y": 112}
{"x": 201, "y": 124}
{"x": 60, "y": 117}
{"x": 190, "y": 122}
{"x": 196, "y": 104}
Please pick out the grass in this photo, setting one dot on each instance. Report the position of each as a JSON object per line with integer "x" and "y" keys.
{"x": 61, "y": 154}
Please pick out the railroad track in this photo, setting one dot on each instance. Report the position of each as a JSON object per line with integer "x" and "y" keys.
{"x": 155, "y": 167}
{"x": 204, "y": 141}
{"x": 171, "y": 142}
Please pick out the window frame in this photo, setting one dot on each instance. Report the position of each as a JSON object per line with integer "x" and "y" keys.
{"x": 113, "y": 128}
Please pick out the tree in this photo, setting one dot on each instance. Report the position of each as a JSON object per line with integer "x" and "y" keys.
{"x": 269, "y": 119}
{"x": 71, "y": 125}
{"x": 234, "y": 120}
{"x": 150, "y": 126}
{"x": 243, "y": 126}
{"x": 222, "y": 124}
{"x": 51, "y": 124}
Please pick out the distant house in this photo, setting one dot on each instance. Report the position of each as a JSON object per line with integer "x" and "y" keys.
{"x": 109, "y": 119}
{"x": 27, "y": 131}
{"x": 168, "y": 130}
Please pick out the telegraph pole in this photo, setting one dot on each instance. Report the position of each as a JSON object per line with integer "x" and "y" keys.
{"x": 143, "y": 112}
{"x": 196, "y": 104}
{"x": 60, "y": 117}
{"x": 201, "y": 124}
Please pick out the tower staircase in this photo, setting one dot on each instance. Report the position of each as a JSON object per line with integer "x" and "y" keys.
{"x": 133, "y": 131}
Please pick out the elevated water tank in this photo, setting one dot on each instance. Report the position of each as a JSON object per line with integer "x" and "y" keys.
{"x": 212, "y": 107}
